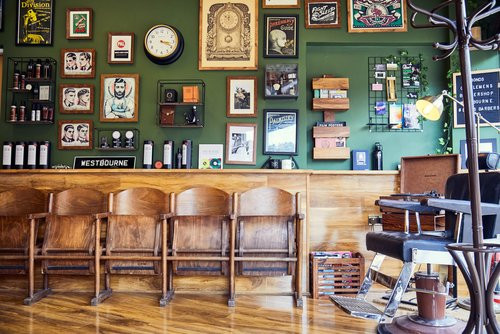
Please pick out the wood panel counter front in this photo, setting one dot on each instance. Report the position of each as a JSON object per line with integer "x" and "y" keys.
{"x": 336, "y": 205}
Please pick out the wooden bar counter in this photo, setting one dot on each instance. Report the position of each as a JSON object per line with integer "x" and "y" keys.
{"x": 336, "y": 205}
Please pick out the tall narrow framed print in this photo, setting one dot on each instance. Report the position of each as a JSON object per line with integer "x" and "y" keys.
{"x": 228, "y": 35}
{"x": 322, "y": 13}
{"x": 376, "y": 16}
{"x": 281, "y": 36}
{"x": 280, "y": 131}
{"x": 35, "y": 22}
{"x": 79, "y": 23}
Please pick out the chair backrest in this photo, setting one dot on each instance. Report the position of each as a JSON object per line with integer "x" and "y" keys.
{"x": 134, "y": 229}
{"x": 139, "y": 201}
{"x": 266, "y": 201}
{"x": 22, "y": 201}
{"x": 78, "y": 201}
{"x": 202, "y": 201}
{"x": 457, "y": 187}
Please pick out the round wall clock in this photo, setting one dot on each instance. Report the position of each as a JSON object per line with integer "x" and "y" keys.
{"x": 163, "y": 44}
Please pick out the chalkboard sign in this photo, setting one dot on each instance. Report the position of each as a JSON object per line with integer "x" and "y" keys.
{"x": 486, "y": 90}
{"x": 104, "y": 162}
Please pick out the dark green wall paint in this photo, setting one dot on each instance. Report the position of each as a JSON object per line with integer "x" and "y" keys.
{"x": 321, "y": 51}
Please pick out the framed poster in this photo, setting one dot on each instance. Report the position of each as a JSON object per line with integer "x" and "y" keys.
{"x": 121, "y": 47}
{"x": 34, "y": 22}
{"x": 486, "y": 87}
{"x": 228, "y": 35}
{"x": 280, "y": 3}
{"x": 77, "y": 63}
{"x": 76, "y": 99}
{"x": 280, "y": 131}
{"x": 119, "y": 98}
{"x": 281, "y": 36}
{"x": 281, "y": 81}
{"x": 79, "y": 23}
{"x": 376, "y": 16}
{"x": 241, "y": 96}
{"x": 241, "y": 143}
{"x": 75, "y": 135}
{"x": 486, "y": 145}
{"x": 322, "y": 13}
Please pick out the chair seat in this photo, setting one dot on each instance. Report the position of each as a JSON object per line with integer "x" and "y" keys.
{"x": 399, "y": 245}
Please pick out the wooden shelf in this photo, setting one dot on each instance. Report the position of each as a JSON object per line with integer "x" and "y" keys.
{"x": 181, "y": 126}
{"x": 180, "y": 104}
{"x": 330, "y": 83}
{"x": 31, "y": 122}
{"x": 334, "y": 153}
{"x": 330, "y": 104}
{"x": 331, "y": 132}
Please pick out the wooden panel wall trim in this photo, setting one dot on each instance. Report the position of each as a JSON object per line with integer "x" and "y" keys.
{"x": 336, "y": 204}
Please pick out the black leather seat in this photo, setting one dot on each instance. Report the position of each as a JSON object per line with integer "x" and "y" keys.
{"x": 399, "y": 245}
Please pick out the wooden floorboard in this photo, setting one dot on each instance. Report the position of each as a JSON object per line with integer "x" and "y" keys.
{"x": 138, "y": 313}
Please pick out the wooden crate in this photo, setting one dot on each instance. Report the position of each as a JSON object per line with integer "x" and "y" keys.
{"x": 336, "y": 276}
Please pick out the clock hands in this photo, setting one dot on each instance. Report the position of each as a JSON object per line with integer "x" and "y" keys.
{"x": 165, "y": 42}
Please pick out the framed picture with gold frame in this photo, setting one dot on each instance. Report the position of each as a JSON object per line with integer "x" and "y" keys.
{"x": 228, "y": 35}
{"x": 280, "y": 3}
{"x": 391, "y": 16}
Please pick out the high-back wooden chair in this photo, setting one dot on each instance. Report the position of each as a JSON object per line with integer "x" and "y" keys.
{"x": 136, "y": 237}
{"x": 203, "y": 234}
{"x": 69, "y": 241}
{"x": 269, "y": 235}
{"x": 20, "y": 210}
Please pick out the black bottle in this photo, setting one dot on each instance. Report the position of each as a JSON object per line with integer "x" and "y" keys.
{"x": 47, "y": 69}
{"x": 377, "y": 157}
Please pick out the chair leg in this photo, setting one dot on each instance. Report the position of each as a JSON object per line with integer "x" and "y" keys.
{"x": 298, "y": 266}
{"x": 398, "y": 291}
{"x": 39, "y": 295}
{"x": 368, "y": 281}
{"x": 166, "y": 295}
{"x": 232, "y": 237}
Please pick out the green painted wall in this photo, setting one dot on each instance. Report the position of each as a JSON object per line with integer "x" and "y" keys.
{"x": 332, "y": 51}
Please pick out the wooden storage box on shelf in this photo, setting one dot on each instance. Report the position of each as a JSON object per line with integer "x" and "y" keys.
{"x": 336, "y": 276}
{"x": 330, "y": 104}
{"x": 330, "y": 84}
{"x": 420, "y": 175}
{"x": 340, "y": 153}
{"x": 331, "y": 132}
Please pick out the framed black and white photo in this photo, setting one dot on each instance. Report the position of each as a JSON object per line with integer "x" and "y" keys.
{"x": 34, "y": 22}
{"x": 281, "y": 36}
{"x": 322, "y": 13}
{"x": 280, "y": 131}
{"x": 76, "y": 99}
{"x": 119, "y": 98}
{"x": 75, "y": 135}
{"x": 241, "y": 143}
{"x": 121, "y": 48}
{"x": 77, "y": 63}
{"x": 241, "y": 96}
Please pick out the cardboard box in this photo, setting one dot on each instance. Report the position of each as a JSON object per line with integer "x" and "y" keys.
{"x": 190, "y": 94}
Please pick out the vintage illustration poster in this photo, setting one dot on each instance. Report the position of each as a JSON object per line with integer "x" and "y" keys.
{"x": 228, "y": 33}
{"x": 34, "y": 22}
{"x": 281, "y": 36}
{"x": 376, "y": 16}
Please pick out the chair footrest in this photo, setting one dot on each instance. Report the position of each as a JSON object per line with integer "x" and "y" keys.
{"x": 357, "y": 307}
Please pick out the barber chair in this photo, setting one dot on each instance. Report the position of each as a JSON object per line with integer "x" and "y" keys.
{"x": 414, "y": 248}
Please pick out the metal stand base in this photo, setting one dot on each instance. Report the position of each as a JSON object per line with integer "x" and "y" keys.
{"x": 407, "y": 326}
{"x": 446, "y": 322}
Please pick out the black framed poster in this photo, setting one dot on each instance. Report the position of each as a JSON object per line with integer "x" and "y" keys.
{"x": 280, "y": 131}
{"x": 281, "y": 36}
{"x": 35, "y": 22}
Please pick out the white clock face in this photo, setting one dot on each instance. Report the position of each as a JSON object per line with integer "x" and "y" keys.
{"x": 229, "y": 19}
{"x": 161, "y": 41}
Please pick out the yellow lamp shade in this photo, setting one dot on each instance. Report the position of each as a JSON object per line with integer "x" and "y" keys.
{"x": 431, "y": 107}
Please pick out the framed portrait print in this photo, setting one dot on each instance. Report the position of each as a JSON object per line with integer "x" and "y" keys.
{"x": 121, "y": 48}
{"x": 281, "y": 36}
{"x": 79, "y": 23}
{"x": 119, "y": 98}
{"x": 280, "y": 131}
{"x": 34, "y": 22}
{"x": 77, "y": 63}
{"x": 280, "y": 3}
{"x": 376, "y": 16}
{"x": 76, "y": 99}
{"x": 75, "y": 135}
{"x": 241, "y": 143}
{"x": 241, "y": 96}
{"x": 228, "y": 35}
{"x": 322, "y": 13}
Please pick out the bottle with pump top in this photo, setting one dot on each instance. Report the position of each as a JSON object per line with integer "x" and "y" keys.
{"x": 377, "y": 157}
{"x": 47, "y": 69}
